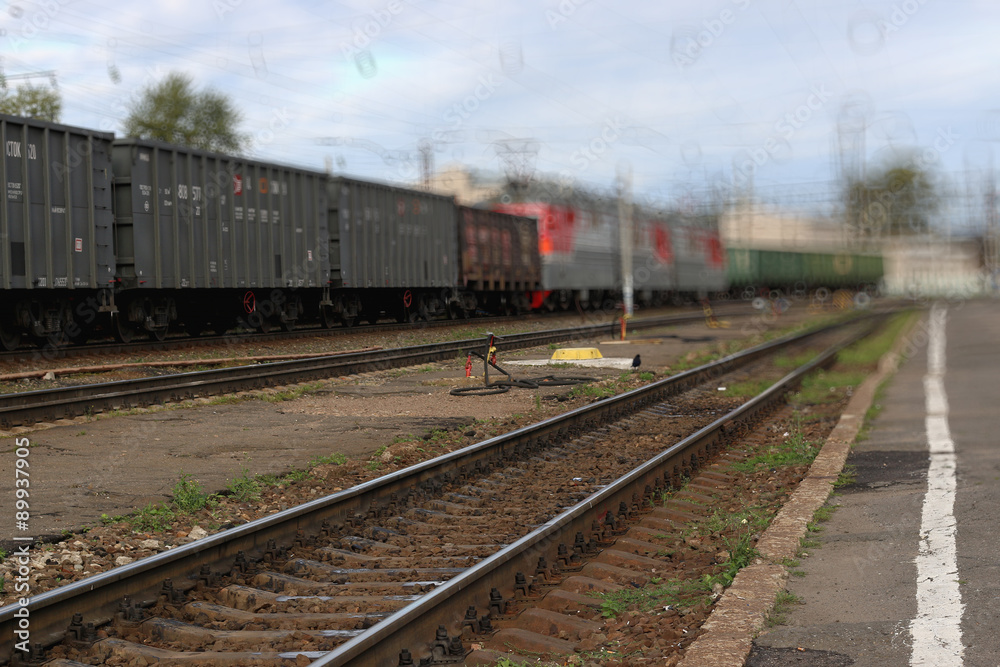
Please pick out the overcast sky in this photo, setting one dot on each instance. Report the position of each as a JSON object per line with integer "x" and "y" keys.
{"x": 686, "y": 94}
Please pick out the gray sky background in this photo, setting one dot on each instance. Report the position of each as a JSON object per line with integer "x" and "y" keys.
{"x": 687, "y": 94}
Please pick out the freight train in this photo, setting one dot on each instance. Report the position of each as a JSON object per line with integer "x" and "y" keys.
{"x": 132, "y": 237}
{"x": 136, "y": 237}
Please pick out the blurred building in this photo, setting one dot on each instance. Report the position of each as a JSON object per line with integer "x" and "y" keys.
{"x": 929, "y": 266}
{"x": 762, "y": 227}
{"x": 926, "y": 265}
{"x": 468, "y": 186}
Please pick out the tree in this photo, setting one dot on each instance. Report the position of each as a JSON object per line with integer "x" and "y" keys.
{"x": 32, "y": 102}
{"x": 173, "y": 111}
{"x": 897, "y": 200}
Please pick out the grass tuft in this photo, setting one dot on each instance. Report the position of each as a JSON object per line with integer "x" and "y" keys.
{"x": 783, "y": 604}
{"x": 244, "y": 488}
{"x": 189, "y": 496}
{"x": 794, "y": 451}
{"x": 847, "y": 476}
{"x": 746, "y": 388}
{"x": 336, "y": 458}
{"x": 683, "y": 594}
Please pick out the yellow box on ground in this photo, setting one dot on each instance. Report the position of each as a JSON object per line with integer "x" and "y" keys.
{"x": 577, "y": 353}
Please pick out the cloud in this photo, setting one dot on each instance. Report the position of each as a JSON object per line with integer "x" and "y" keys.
{"x": 424, "y": 64}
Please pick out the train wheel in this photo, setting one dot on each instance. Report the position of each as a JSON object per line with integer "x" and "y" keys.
{"x": 257, "y": 321}
{"x": 289, "y": 314}
{"x": 564, "y": 300}
{"x": 326, "y": 317}
{"x": 122, "y": 329}
{"x": 9, "y": 340}
{"x": 420, "y": 312}
{"x": 158, "y": 334}
{"x": 350, "y": 310}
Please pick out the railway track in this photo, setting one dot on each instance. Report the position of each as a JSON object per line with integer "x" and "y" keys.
{"x": 50, "y": 350}
{"x": 60, "y": 351}
{"x": 415, "y": 566}
{"x": 25, "y": 408}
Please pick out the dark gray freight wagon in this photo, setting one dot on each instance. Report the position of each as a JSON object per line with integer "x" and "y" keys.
{"x": 212, "y": 241}
{"x": 500, "y": 260}
{"x": 393, "y": 251}
{"x": 57, "y": 264}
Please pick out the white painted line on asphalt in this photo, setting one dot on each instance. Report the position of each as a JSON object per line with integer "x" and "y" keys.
{"x": 937, "y": 628}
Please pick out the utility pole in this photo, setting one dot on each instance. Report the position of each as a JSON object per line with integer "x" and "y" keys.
{"x": 625, "y": 234}
{"x": 426, "y": 149}
{"x": 517, "y": 156}
{"x": 49, "y": 74}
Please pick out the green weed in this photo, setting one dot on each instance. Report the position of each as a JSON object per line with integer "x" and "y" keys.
{"x": 847, "y": 476}
{"x": 226, "y": 400}
{"x": 792, "y": 361}
{"x": 152, "y": 518}
{"x": 824, "y": 513}
{"x": 646, "y": 598}
{"x": 822, "y": 386}
{"x": 794, "y": 451}
{"x": 189, "y": 495}
{"x": 783, "y": 604}
{"x": 747, "y": 388}
{"x": 296, "y": 476}
{"x": 510, "y": 662}
{"x": 751, "y": 518}
{"x": 868, "y": 351}
{"x": 741, "y": 553}
{"x": 591, "y": 391}
{"x": 806, "y": 543}
{"x": 336, "y": 458}
{"x": 244, "y": 488}
{"x": 290, "y": 394}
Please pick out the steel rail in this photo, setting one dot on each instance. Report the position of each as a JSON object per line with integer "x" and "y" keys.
{"x": 97, "y": 598}
{"x": 29, "y": 407}
{"x": 101, "y": 346}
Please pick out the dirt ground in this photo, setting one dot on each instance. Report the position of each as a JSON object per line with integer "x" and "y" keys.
{"x": 81, "y": 469}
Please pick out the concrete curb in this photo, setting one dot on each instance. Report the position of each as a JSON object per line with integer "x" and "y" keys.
{"x": 741, "y": 613}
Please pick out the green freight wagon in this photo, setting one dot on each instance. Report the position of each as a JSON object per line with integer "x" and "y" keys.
{"x": 793, "y": 271}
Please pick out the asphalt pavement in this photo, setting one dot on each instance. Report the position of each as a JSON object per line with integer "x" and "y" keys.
{"x": 906, "y": 570}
